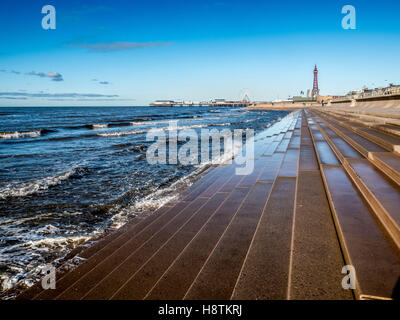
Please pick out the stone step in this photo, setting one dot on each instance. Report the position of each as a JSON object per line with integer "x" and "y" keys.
{"x": 141, "y": 230}
{"x": 115, "y": 269}
{"x": 361, "y": 144}
{"x": 290, "y": 163}
{"x": 365, "y": 246}
{"x": 120, "y": 235}
{"x": 389, "y": 163}
{"x": 317, "y": 260}
{"x": 140, "y": 278}
{"x": 175, "y": 282}
{"x": 265, "y": 272}
{"x": 270, "y": 171}
{"x": 386, "y": 140}
{"x": 381, "y": 193}
{"x": 71, "y": 277}
{"x": 308, "y": 160}
{"x": 376, "y": 123}
{"x": 218, "y": 276}
{"x": 341, "y": 148}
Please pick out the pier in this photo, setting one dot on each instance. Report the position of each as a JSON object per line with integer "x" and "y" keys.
{"x": 324, "y": 194}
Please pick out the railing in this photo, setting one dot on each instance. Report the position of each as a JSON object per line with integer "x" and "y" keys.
{"x": 384, "y": 92}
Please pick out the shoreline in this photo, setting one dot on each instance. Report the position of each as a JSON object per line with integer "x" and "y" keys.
{"x": 313, "y": 202}
{"x": 67, "y": 262}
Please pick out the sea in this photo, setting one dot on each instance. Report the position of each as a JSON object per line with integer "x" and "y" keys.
{"x": 69, "y": 175}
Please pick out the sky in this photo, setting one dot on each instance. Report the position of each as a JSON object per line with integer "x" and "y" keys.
{"x": 129, "y": 52}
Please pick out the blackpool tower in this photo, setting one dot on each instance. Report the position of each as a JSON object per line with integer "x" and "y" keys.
{"x": 315, "y": 90}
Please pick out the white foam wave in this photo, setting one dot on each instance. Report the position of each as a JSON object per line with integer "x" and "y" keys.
{"x": 36, "y": 186}
{"x": 99, "y": 126}
{"x": 20, "y": 134}
{"x": 125, "y": 133}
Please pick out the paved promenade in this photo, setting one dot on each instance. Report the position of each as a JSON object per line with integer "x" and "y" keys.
{"x": 324, "y": 193}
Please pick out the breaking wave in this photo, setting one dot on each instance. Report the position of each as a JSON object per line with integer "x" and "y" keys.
{"x": 125, "y": 133}
{"x": 38, "y": 185}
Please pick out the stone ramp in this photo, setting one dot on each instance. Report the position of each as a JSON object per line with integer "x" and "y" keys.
{"x": 282, "y": 232}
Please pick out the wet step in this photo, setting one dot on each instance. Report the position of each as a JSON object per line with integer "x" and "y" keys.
{"x": 325, "y": 154}
{"x": 388, "y": 128}
{"x": 363, "y": 145}
{"x": 270, "y": 171}
{"x": 139, "y": 280}
{"x": 382, "y": 194}
{"x": 290, "y": 163}
{"x": 180, "y": 275}
{"x": 308, "y": 160}
{"x": 316, "y": 256}
{"x": 250, "y": 179}
{"x": 159, "y": 217}
{"x": 283, "y": 145}
{"x": 114, "y": 271}
{"x": 340, "y": 146}
{"x": 305, "y": 136}
{"x": 203, "y": 184}
{"x": 219, "y": 274}
{"x": 85, "y": 254}
{"x": 388, "y": 141}
{"x": 265, "y": 272}
{"x": 294, "y": 142}
{"x": 364, "y": 244}
{"x": 389, "y": 163}
{"x": 224, "y": 176}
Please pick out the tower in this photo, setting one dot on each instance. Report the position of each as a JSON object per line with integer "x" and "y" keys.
{"x": 315, "y": 90}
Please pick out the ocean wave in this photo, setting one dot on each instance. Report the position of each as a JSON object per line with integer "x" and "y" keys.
{"x": 97, "y": 126}
{"x": 39, "y": 185}
{"x": 24, "y": 134}
{"x": 196, "y": 126}
{"x": 20, "y": 134}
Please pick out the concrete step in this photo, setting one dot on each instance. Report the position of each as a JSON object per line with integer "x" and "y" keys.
{"x": 368, "y": 118}
{"x": 324, "y": 152}
{"x": 265, "y": 272}
{"x": 119, "y": 235}
{"x": 305, "y": 136}
{"x": 382, "y": 194}
{"x": 389, "y": 163}
{"x": 290, "y": 163}
{"x": 85, "y": 254}
{"x": 386, "y": 140}
{"x": 365, "y": 246}
{"x": 374, "y": 123}
{"x": 115, "y": 269}
{"x": 140, "y": 278}
{"x": 74, "y": 275}
{"x": 175, "y": 282}
{"x": 361, "y": 144}
{"x": 218, "y": 276}
{"x": 316, "y": 255}
{"x": 341, "y": 148}
{"x": 270, "y": 171}
{"x": 308, "y": 160}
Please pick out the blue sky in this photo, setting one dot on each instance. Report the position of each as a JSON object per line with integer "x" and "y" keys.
{"x": 133, "y": 52}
